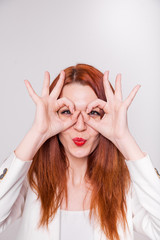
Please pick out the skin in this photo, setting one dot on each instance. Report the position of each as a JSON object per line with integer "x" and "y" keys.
{"x": 81, "y": 96}
{"x": 78, "y": 188}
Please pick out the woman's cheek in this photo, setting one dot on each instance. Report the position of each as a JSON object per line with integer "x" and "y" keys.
{"x": 62, "y": 138}
{"x": 93, "y": 136}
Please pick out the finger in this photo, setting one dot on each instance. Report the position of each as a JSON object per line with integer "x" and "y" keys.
{"x": 61, "y": 102}
{"x": 46, "y": 83}
{"x": 71, "y": 121}
{"x": 90, "y": 121}
{"x": 107, "y": 87}
{"x": 58, "y": 87}
{"x": 97, "y": 103}
{"x": 118, "y": 87}
{"x": 31, "y": 92}
{"x": 131, "y": 96}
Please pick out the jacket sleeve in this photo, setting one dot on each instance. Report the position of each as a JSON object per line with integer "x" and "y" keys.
{"x": 145, "y": 197}
{"x": 13, "y": 188}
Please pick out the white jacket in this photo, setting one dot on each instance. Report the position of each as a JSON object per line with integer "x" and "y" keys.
{"x": 17, "y": 200}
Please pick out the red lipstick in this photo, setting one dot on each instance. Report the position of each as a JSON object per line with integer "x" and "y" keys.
{"x": 79, "y": 141}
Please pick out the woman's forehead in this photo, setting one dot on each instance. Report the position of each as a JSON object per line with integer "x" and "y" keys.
{"x": 80, "y": 94}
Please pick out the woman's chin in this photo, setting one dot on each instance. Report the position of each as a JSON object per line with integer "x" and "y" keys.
{"x": 80, "y": 153}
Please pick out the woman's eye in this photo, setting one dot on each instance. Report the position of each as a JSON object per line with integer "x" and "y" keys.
{"x": 66, "y": 112}
{"x": 94, "y": 113}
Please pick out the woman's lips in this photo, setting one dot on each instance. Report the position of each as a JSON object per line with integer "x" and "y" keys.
{"x": 79, "y": 141}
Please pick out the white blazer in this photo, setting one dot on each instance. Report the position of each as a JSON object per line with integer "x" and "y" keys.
{"x": 17, "y": 200}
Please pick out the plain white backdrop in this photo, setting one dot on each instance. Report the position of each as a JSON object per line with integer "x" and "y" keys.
{"x": 122, "y": 36}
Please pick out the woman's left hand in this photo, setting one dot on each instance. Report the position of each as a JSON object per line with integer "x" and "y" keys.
{"x": 113, "y": 125}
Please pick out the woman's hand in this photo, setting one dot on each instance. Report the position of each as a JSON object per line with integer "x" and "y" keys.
{"x": 113, "y": 125}
{"x": 47, "y": 121}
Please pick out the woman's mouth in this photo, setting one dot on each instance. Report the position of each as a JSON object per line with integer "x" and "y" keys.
{"x": 79, "y": 141}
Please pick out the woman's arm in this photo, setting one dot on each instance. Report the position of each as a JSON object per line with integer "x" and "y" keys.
{"x": 129, "y": 148}
{"x": 30, "y": 145}
{"x": 13, "y": 188}
{"x": 113, "y": 125}
{"x": 145, "y": 197}
{"x": 14, "y": 169}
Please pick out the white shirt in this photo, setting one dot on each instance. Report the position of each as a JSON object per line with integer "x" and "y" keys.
{"x": 75, "y": 225}
{"x": 18, "y": 200}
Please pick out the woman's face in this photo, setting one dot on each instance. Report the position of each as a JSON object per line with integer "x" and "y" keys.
{"x": 81, "y": 96}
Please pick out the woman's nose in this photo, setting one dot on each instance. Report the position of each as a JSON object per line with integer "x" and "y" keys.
{"x": 80, "y": 125}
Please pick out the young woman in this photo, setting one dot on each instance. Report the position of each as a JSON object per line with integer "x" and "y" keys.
{"x": 79, "y": 173}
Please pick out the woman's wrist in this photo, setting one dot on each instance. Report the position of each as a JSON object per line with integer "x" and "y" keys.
{"x": 30, "y": 145}
{"x": 128, "y": 147}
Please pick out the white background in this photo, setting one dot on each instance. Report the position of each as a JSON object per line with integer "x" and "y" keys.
{"x": 116, "y": 35}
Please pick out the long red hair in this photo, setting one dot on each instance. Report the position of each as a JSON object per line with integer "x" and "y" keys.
{"x": 106, "y": 168}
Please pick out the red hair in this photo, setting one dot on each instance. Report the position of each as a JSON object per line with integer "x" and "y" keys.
{"x": 106, "y": 168}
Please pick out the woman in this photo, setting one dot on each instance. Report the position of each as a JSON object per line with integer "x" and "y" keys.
{"x": 85, "y": 160}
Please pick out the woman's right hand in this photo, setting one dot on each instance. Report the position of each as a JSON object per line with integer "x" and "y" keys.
{"x": 47, "y": 122}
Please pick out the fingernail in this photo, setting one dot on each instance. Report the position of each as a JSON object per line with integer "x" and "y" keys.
{"x": 107, "y": 74}
{"x": 25, "y": 81}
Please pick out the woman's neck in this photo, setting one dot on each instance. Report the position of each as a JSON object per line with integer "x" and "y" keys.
{"x": 76, "y": 171}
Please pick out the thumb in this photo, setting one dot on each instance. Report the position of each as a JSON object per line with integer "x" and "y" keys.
{"x": 90, "y": 121}
{"x": 71, "y": 121}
